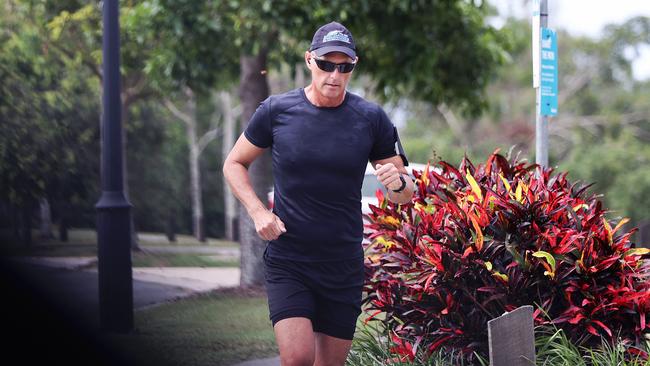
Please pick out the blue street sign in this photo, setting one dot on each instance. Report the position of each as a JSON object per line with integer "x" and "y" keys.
{"x": 549, "y": 77}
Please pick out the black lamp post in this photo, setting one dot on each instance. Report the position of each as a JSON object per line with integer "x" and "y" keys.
{"x": 113, "y": 208}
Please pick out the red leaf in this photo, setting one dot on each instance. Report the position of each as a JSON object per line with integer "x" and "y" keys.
{"x": 439, "y": 177}
{"x": 372, "y": 316}
{"x": 428, "y": 281}
{"x": 449, "y": 300}
{"x": 607, "y": 263}
{"x": 576, "y": 319}
{"x": 605, "y": 328}
{"x": 434, "y": 346}
{"x": 488, "y": 164}
{"x": 380, "y": 196}
{"x": 591, "y": 330}
{"x": 468, "y": 251}
{"x": 448, "y": 168}
{"x": 402, "y": 347}
{"x": 638, "y": 353}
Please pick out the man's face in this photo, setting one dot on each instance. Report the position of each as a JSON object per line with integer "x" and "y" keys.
{"x": 329, "y": 84}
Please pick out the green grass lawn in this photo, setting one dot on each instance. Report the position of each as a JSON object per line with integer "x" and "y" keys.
{"x": 145, "y": 259}
{"x": 157, "y": 239}
{"x": 83, "y": 243}
{"x": 88, "y": 238}
{"x": 138, "y": 259}
{"x": 222, "y": 328}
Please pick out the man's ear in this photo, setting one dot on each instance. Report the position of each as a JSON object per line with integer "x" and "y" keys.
{"x": 308, "y": 58}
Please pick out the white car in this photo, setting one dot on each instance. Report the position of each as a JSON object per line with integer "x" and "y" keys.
{"x": 369, "y": 187}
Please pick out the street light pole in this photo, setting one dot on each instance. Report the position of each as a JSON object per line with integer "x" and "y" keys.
{"x": 541, "y": 122}
{"x": 113, "y": 208}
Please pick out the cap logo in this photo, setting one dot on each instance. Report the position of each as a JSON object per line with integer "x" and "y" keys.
{"x": 336, "y": 35}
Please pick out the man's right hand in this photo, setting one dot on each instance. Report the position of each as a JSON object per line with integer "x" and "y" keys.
{"x": 268, "y": 225}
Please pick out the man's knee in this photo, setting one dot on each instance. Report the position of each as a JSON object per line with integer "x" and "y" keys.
{"x": 297, "y": 358}
{"x": 331, "y": 351}
{"x": 295, "y": 339}
{"x": 331, "y": 359}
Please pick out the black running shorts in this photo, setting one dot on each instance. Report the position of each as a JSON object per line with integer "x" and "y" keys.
{"x": 328, "y": 293}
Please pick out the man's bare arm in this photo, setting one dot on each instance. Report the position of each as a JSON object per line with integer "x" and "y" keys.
{"x": 388, "y": 172}
{"x": 235, "y": 170}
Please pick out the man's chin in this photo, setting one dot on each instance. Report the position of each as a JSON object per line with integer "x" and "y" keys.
{"x": 332, "y": 91}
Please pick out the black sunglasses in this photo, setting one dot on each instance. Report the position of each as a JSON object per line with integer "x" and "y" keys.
{"x": 327, "y": 66}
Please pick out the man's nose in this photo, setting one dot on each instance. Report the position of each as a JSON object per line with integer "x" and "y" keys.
{"x": 336, "y": 73}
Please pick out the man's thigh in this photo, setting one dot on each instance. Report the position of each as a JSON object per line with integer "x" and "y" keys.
{"x": 331, "y": 351}
{"x": 295, "y": 339}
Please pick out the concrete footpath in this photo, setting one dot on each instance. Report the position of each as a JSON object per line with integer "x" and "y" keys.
{"x": 71, "y": 285}
{"x": 75, "y": 278}
{"x": 273, "y": 361}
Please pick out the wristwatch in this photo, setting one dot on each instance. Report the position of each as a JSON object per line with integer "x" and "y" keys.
{"x": 401, "y": 188}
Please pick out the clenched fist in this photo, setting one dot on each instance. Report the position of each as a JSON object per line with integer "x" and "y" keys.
{"x": 388, "y": 175}
{"x": 268, "y": 225}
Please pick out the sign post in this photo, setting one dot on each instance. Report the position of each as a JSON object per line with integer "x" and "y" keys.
{"x": 548, "y": 73}
{"x": 545, "y": 78}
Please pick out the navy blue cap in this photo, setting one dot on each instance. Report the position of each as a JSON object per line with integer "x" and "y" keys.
{"x": 333, "y": 37}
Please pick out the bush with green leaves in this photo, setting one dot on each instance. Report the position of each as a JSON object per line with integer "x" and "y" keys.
{"x": 476, "y": 242}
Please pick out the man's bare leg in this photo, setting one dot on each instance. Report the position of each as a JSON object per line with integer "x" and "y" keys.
{"x": 331, "y": 351}
{"x": 295, "y": 338}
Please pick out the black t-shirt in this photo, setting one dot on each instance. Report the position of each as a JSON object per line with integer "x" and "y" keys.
{"x": 319, "y": 161}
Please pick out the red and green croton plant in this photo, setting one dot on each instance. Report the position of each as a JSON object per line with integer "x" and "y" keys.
{"x": 476, "y": 242}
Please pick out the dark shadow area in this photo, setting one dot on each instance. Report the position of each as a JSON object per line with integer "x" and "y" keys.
{"x": 43, "y": 324}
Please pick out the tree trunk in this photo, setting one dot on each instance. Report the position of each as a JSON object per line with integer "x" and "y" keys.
{"x": 62, "y": 209}
{"x": 195, "y": 171}
{"x": 63, "y": 228}
{"x": 196, "y": 146}
{"x": 230, "y": 202}
{"x": 26, "y": 221}
{"x": 15, "y": 222}
{"x": 299, "y": 77}
{"x": 253, "y": 89}
{"x": 46, "y": 219}
{"x": 170, "y": 229}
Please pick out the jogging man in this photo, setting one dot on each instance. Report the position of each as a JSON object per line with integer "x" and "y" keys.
{"x": 321, "y": 138}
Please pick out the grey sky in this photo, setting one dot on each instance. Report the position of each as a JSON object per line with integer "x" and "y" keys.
{"x": 586, "y": 17}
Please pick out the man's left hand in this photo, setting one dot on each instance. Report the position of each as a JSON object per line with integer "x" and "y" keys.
{"x": 388, "y": 175}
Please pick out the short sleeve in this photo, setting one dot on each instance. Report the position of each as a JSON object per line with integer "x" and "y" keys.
{"x": 259, "y": 131}
{"x": 387, "y": 142}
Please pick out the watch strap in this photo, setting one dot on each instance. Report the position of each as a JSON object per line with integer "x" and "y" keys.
{"x": 401, "y": 188}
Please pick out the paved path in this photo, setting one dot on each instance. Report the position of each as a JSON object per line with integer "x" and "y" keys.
{"x": 197, "y": 279}
{"x": 72, "y": 282}
{"x": 273, "y": 361}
